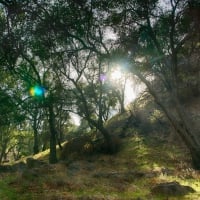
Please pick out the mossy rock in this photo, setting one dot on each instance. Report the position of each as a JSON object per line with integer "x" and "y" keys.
{"x": 172, "y": 189}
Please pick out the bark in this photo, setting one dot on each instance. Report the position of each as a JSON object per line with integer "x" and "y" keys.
{"x": 52, "y": 157}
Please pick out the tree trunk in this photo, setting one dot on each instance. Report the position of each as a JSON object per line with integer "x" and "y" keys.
{"x": 110, "y": 146}
{"x": 195, "y": 154}
{"x": 59, "y": 141}
{"x": 180, "y": 123}
{"x": 35, "y": 146}
{"x": 191, "y": 143}
{"x": 1, "y": 156}
{"x": 121, "y": 102}
{"x": 3, "y": 150}
{"x": 184, "y": 130}
{"x": 52, "y": 157}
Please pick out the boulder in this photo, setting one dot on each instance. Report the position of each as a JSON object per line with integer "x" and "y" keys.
{"x": 172, "y": 189}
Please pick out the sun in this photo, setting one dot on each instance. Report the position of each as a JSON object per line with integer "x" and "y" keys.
{"x": 121, "y": 79}
{"x": 116, "y": 74}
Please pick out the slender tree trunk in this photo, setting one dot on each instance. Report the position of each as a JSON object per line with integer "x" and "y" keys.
{"x": 192, "y": 142}
{"x": 3, "y": 150}
{"x": 52, "y": 157}
{"x": 121, "y": 102}
{"x": 44, "y": 146}
{"x": 188, "y": 137}
{"x": 122, "y": 99}
{"x": 35, "y": 131}
{"x": 110, "y": 146}
{"x": 35, "y": 147}
{"x": 184, "y": 130}
{"x": 179, "y": 122}
{"x": 59, "y": 141}
{"x": 1, "y": 155}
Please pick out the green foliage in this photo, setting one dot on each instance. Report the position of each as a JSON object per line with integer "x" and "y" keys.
{"x": 8, "y": 112}
{"x": 62, "y": 45}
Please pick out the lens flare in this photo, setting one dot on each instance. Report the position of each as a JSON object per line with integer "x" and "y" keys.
{"x": 102, "y": 77}
{"x": 37, "y": 91}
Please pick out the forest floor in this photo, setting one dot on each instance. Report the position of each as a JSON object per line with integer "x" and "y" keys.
{"x": 141, "y": 163}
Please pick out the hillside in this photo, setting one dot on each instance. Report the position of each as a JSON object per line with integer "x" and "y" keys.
{"x": 150, "y": 154}
{"x": 141, "y": 163}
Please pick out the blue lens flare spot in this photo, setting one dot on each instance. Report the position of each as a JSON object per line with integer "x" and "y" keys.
{"x": 37, "y": 91}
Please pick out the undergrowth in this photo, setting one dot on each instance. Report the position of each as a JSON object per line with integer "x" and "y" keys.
{"x": 130, "y": 174}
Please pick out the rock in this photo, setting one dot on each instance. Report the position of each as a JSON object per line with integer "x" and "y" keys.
{"x": 172, "y": 189}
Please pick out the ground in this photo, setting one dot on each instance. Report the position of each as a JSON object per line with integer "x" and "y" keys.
{"x": 150, "y": 154}
{"x": 141, "y": 163}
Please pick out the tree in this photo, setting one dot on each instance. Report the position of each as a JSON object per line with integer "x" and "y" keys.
{"x": 10, "y": 114}
{"x": 154, "y": 39}
{"x": 78, "y": 45}
{"x": 28, "y": 58}
{"x": 91, "y": 95}
{"x": 61, "y": 46}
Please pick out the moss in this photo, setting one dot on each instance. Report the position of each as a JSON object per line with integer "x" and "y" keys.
{"x": 6, "y": 192}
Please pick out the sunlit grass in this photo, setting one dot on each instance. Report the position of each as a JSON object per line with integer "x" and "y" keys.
{"x": 138, "y": 154}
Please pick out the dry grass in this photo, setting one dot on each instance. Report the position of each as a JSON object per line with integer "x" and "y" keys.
{"x": 128, "y": 175}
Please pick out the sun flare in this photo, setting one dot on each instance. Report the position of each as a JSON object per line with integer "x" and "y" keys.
{"x": 119, "y": 79}
{"x": 116, "y": 74}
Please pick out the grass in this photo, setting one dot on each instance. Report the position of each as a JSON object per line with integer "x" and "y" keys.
{"x": 7, "y": 193}
{"x": 109, "y": 177}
